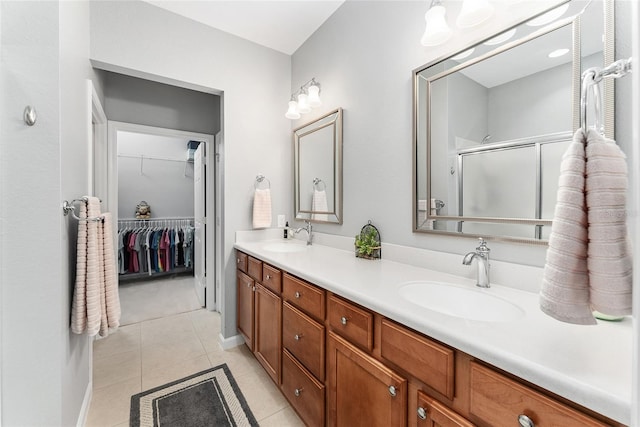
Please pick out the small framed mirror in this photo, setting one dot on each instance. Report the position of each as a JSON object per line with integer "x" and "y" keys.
{"x": 492, "y": 122}
{"x": 317, "y": 150}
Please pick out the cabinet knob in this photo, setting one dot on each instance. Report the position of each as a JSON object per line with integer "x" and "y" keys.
{"x": 268, "y": 277}
{"x": 237, "y": 260}
{"x": 525, "y": 421}
{"x": 297, "y": 294}
{"x": 392, "y": 391}
{"x": 297, "y": 337}
{"x": 248, "y": 284}
{"x": 422, "y": 413}
{"x": 298, "y": 391}
{"x": 343, "y": 320}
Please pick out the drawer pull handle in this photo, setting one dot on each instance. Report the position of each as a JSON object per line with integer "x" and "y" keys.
{"x": 525, "y": 421}
{"x": 298, "y": 391}
{"x": 422, "y": 413}
{"x": 268, "y": 277}
{"x": 392, "y": 391}
{"x": 297, "y": 294}
{"x": 343, "y": 320}
{"x": 297, "y": 337}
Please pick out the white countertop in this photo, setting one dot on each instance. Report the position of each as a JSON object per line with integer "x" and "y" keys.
{"x": 589, "y": 365}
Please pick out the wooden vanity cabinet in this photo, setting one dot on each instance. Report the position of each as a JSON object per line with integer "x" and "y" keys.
{"x": 268, "y": 337}
{"x": 341, "y": 364}
{"x": 245, "y": 307}
{"x": 361, "y": 391}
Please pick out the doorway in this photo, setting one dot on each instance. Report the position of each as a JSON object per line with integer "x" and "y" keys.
{"x": 158, "y": 195}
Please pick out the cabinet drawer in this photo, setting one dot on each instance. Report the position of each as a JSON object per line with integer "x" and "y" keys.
{"x": 351, "y": 322}
{"x": 272, "y": 278}
{"x": 499, "y": 400}
{"x": 430, "y": 362}
{"x": 432, "y": 413}
{"x": 304, "y": 296}
{"x": 241, "y": 261}
{"x": 254, "y": 268}
{"x": 304, "y": 392}
{"x": 304, "y": 338}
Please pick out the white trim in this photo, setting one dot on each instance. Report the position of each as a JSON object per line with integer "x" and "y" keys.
{"x": 231, "y": 342}
{"x": 86, "y": 402}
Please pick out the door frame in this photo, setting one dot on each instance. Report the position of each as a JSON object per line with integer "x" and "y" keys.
{"x": 112, "y": 198}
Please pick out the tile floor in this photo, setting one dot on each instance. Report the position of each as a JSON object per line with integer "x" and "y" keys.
{"x": 147, "y": 354}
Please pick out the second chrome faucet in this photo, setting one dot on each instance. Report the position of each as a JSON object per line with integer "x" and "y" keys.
{"x": 481, "y": 255}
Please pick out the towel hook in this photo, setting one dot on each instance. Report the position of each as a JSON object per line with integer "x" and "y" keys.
{"x": 259, "y": 179}
{"x": 69, "y": 208}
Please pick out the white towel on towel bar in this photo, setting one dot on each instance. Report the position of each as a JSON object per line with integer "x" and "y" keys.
{"x": 96, "y": 305}
{"x": 262, "y": 208}
{"x": 588, "y": 264}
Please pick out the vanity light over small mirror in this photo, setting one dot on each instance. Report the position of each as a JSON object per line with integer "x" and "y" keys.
{"x": 317, "y": 150}
{"x": 492, "y": 121}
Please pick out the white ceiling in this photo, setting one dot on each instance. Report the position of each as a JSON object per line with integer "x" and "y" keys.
{"x": 281, "y": 25}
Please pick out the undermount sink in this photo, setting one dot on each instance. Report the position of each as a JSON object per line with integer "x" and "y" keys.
{"x": 285, "y": 247}
{"x": 467, "y": 303}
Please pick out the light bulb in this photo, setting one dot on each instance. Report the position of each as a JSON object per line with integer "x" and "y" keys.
{"x": 473, "y": 13}
{"x": 464, "y": 54}
{"x": 558, "y": 52}
{"x": 437, "y": 31}
{"x": 501, "y": 38}
{"x": 303, "y": 104}
{"x": 292, "y": 112}
{"x": 549, "y": 17}
{"x": 314, "y": 96}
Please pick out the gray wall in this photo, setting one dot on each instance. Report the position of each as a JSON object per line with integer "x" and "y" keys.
{"x": 145, "y": 102}
{"x": 364, "y": 56}
{"x": 45, "y": 368}
{"x": 163, "y": 179}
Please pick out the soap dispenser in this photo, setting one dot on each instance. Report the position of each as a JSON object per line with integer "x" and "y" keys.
{"x": 286, "y": 230}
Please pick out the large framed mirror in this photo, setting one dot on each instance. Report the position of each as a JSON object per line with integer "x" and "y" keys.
{"x": 492, "y": 121}
{"x": 317, "y": 150}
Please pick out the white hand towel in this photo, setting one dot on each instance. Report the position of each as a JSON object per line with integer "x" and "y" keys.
{"x": 565, "y": 285}
{"x": 94, "y": 276}
{"x": 609, "y": 255}
{"x": 319, "y": 204}
{"x": 262, "y": 208}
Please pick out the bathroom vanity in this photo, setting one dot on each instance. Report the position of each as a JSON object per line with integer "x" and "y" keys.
{"x": 348, "y": 342}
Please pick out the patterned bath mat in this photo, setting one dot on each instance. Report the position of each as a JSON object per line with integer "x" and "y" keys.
{"x": 208, "y": 398}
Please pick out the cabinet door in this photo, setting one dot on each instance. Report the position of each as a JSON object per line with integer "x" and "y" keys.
{"x": 361, "y": 390}
{"x": 268, "y": 326}
{"x": 246, "y": 305}
{"x": 431, "y": 413}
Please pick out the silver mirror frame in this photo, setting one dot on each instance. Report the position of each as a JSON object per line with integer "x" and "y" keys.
{"x": 334, "y": 119}
{"x": 608, "y": 107}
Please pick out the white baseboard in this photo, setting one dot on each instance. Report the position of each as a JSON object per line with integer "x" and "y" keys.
{"x": 86, "y": 403}
{"x": 227, "y": 343}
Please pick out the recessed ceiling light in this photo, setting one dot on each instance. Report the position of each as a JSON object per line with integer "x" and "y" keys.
{"x": 558, "y": 52}
{"x": 464, "y": 54}
{"x": 501, "y": 38}
{"x": 548, "y": 17}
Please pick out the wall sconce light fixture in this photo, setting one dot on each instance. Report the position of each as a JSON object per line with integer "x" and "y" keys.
{"x": 304, "y": 99}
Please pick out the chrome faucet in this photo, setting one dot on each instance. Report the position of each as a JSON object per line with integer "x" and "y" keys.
{"x": 482, "y": 256}
{"x": 308, "y": 229}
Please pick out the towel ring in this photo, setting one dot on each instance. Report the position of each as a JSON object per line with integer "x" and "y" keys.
{"x": 317, "y": 182}
{"x": 259, "y": 180}
{"x": 591, "y": 79}
{"x": 69, "y": 208}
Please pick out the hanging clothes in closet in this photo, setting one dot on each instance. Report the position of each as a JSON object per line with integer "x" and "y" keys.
{"x": 155, "y": 246}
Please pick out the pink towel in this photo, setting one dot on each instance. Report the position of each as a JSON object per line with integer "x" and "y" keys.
{"x": 262, "y": 208}
{"x": 589, "y": 257}
{"x": 96, "y": 305}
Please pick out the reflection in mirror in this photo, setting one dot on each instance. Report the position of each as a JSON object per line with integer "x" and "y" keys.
{"x": 491, "y": 127}
{"x": 318, "y": 169}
